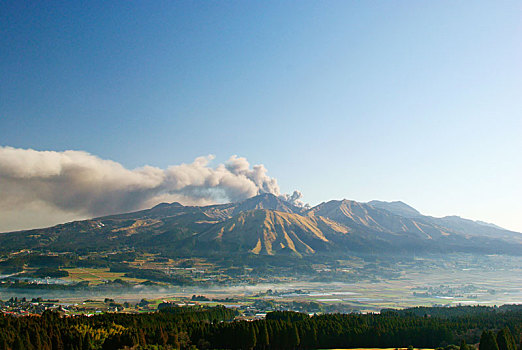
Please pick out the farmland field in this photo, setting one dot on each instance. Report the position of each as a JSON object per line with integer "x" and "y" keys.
{"x": 97, "y": 276}
{"x": 419, "y": 284}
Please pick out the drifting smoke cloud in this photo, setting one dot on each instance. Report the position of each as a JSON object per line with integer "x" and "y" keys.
{"x": 75, "y": 184}
{"x": 295, "y": 199}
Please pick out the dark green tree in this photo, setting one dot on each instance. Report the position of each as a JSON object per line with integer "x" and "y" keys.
{"x": 86, "y": 342}
{"x": 28, "y": 343}
{"x": 293, "y": 337}
{"x": 250, "y": 337}
{"x": 488, "y": 341}
{"x": 18, "y": 343}
{"x": 505, "y": 340}
{"x": 263, "y": 339}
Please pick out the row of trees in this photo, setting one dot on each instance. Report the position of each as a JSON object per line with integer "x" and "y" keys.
{"x": 504, "y": 340}
{"x": 184, "y": 328}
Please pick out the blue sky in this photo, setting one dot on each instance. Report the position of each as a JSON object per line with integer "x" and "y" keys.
{"x": 417, "y": 101}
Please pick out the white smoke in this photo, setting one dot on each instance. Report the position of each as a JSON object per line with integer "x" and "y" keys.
{"x": 295, "y": 199}
{"x": 39, "y": 188}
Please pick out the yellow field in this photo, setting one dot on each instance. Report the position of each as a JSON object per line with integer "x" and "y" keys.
{"x": 97, "y": 276}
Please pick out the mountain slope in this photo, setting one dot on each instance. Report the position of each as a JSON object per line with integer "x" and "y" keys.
{"x": 269, "y": 232}
{"x": 453, "y": 224}
{"x": 398, "y": 208}
{"x": 474, "y": 228}
{"x": 267, "y": 225}
{"x": 361, "y": 215}
{"x": 376, "y": 227}
{"x": 265, "y": 201}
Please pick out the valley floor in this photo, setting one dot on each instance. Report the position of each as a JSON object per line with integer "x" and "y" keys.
{"x": 467, "y": 285}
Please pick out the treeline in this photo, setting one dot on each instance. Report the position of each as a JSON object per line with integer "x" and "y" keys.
{"x": 210, "y": 328}
{"x": 16, "y": 263}
{"x": 150, "y": 274}
{"x": 454, "y": 311}
{"x": 167, "y": 328}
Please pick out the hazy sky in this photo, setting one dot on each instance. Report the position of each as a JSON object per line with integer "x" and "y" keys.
{"x": 419, "y": 101}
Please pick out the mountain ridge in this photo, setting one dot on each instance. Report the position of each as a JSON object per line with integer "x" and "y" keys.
{"x": 268, "y": 225}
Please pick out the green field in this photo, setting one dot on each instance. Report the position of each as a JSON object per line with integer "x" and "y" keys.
{"x": 97, "y": 276}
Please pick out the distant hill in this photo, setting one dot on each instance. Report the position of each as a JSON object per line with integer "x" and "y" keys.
{"x": 451, "y": 223}
{"x": 268, "y": 225}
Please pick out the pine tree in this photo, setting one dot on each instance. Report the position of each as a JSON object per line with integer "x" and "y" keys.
{"x": 28, "y": 344}
{"x": 263, "y": 339}
{"x": 56, "y": 341}
{"x": 86, "y": 342}
{"x": 142, "y": 339}
{"x": 505, "y": 340}
{"x": 18, "y": 343}
{"x": 37, "y": 340}
{"x": 488, "y": 341}
{"x": 164, "y": 336}
{"x": 250, "y": 337}
{"x": 293, "y": 337}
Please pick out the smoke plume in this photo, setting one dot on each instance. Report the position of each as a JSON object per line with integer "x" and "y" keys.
{"x": 39, "y": 188}
{"x": 295, "y": 199}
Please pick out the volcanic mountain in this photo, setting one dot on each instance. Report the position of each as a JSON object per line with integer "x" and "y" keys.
{"x": 269, "y": 225}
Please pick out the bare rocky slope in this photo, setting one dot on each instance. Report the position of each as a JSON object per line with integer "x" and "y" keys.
{"x": 268, "y": 225}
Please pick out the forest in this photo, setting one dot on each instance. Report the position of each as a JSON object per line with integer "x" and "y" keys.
{"x": 497, "y": 328}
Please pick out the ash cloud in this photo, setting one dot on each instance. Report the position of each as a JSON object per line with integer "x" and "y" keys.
{"x": 41, "y": 188}
{"x": 295, "y": 199}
